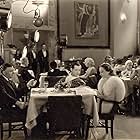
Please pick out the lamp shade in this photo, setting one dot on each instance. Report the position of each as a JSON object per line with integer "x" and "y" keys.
{"x": 5, "y": 19}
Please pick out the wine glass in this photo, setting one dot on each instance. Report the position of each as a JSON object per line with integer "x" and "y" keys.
{"x": 46, "y": 84}
{"x": 68, "y": 86}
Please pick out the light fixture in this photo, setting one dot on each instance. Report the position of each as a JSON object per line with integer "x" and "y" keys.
{"x": 5, "y": 19}
{"x": 123, "y": 17}
{"x": 38, "y": 21}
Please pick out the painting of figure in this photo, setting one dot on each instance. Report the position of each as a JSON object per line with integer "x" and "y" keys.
{"x": 86, "y": 20}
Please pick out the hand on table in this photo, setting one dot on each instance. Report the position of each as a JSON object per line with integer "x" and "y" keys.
{"x": 21, "y": 105}
{"x": 31, "y": 83}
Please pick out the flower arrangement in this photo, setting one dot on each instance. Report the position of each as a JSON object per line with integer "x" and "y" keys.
{"x": 60, "y": 86}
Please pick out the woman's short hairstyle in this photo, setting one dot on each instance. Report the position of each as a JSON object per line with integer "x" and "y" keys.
{"x": 90, "y": 61}
{"x": 108, "y": 68}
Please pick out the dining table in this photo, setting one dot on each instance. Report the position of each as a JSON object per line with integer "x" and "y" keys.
{"x": 39, "y": 97}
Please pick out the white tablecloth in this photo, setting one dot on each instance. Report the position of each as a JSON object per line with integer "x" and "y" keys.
{"x": 39, "y": 97}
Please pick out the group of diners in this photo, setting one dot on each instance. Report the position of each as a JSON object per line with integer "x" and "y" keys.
{"x": 16, "y": 83}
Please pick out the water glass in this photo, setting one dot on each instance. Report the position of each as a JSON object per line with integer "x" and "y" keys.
{"x": 46, "y": 84}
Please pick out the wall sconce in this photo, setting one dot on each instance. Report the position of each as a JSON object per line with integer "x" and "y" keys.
{"x": 123, "y": 17}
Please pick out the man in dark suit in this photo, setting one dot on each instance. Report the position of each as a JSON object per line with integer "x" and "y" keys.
{"x": 33, "y": 60}
{"x": 10, "y": 105}
{"x": 73, "y": 79}
{"x": 43, "y": 58}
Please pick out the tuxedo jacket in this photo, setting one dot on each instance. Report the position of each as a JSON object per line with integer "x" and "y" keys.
{"x": 32, "y": 62}
{"x": 43, "y": 61}
{"x": 9, "y": 94}
{"x": 25, "y": 76}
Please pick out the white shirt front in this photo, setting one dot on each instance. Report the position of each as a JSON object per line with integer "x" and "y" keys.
{"x": 44, "y": 53}
{"x": 34, "y": 54}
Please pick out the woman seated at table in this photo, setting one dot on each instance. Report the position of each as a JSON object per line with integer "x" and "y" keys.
{"x": 128, "y": 69}
{"x": 110, "y": 87}
{"x": 90, "y": 75}
{"x": 136, "y": 72}
{"x": 73, "y": 79}
{"x": 91, "y": 70}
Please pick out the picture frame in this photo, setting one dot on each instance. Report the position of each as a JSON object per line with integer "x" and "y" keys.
{"x": 69, "y": 26}
{"x": 86, "y": 20}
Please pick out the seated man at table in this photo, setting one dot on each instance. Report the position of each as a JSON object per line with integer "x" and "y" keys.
{"x": 10, "y": 94}
{"x": 55, "y": 71}
{"x": 73, "y": 79}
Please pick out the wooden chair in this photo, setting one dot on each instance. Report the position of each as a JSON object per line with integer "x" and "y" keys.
{"x": 65, "y": 114}
{"x": 16, "y": 123}
{"x": 106, "y": 117}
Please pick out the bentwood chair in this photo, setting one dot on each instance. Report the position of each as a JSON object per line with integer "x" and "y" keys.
{"x": 106, "y": 117}
{"x": 65, "y": 114}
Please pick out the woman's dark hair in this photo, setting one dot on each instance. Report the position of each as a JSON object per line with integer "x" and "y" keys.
{"x": 108, "y": 68}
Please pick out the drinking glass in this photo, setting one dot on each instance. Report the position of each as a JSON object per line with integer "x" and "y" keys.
{"x": 68, "y": 86}
{"x": 46, "y": 85}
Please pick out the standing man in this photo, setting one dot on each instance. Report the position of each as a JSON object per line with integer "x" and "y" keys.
{"x": 43, "y": 58}
{"x": 33, "y": 60}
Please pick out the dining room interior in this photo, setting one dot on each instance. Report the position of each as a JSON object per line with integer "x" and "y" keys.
{"x": 69, "y": 69}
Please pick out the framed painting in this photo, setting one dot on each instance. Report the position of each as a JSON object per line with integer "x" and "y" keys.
{"x": 86, "y": 20}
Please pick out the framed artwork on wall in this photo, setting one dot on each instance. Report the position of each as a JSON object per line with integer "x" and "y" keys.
{"x": 86, "y": 20}
{"x": 86, "y": 23}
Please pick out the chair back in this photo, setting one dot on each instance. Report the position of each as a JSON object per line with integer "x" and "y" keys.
{"x": 114, "y": 108}
{"x": 64, "y": 112}
{"x": 53, "y": 80}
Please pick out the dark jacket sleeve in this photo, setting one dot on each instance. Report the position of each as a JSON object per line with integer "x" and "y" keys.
{"x": 6, "y": 99}
{"x": 21, "y": 91}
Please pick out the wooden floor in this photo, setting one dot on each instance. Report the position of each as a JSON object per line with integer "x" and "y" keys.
{"x": 125, "y": 128}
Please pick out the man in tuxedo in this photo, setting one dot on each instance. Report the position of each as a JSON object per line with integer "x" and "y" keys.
{"x": 10, "y": 94}
{"x": 33, "y": 60}
{"x": 43, "y": 59}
